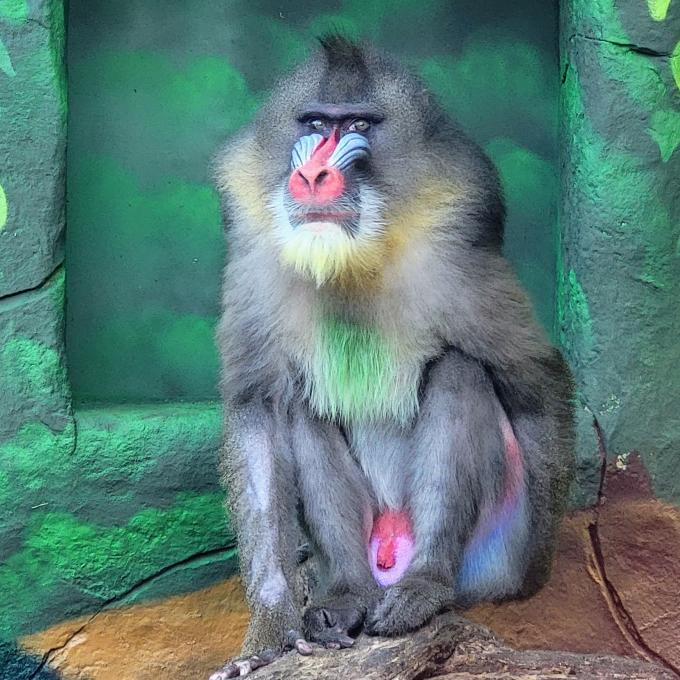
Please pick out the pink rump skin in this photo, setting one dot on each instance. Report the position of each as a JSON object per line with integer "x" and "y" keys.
{"x": 391, "y": 547}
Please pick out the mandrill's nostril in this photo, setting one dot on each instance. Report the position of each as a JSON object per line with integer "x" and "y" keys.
{"x": 313, "y": 177}
{"x": 304, "y": 178}
{"x": 314, "y": 183}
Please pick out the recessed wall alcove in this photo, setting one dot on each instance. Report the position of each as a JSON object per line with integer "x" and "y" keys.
{"x": 155, "y": 87}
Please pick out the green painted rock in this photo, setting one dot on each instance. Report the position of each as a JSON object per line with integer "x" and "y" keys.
{"x": 33, "y": 141}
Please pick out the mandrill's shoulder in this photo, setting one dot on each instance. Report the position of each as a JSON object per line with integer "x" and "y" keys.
{"x": 487, "y": 314}
{"x": 476, "y": 216}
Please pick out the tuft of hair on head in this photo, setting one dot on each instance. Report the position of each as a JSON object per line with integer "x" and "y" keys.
{"x": 342, "y": 53}
{"x": 341, "y": 50}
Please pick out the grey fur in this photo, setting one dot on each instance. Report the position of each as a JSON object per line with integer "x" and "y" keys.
{"x": 454, "y": 304}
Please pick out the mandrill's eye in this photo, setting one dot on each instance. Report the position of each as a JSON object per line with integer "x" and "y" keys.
{"x": 317, "y": 124}
{"x": 359, "y": 125}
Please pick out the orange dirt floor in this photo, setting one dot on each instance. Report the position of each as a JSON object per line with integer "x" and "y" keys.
{"x": 615, "y": 588}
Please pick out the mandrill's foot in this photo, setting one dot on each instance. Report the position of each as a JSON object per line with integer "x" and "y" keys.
{"x": 245, "y": 665}
{"x": 408, "y": 605}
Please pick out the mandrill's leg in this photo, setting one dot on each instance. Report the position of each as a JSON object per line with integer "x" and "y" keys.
{"x": 260, "y": 475}
{"x": 338, "y": 512}
{"x": 457, "y": 470}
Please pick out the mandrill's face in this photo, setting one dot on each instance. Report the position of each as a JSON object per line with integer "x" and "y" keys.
{"x": 340, "y": 172}
{"x": 329, "y": 217}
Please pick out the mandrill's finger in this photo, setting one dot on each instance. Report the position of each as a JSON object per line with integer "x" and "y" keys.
{"x": 259, "y": 661}
{"x": 303, "y": 647}
{"x": 264, "y": 658}
{"x": 295, "y": 640}
{"x": 244, "y": 667}
{"x": 333, "y": 638}
{"x": 240, "y": 667}
{"x": 344, "y": 641}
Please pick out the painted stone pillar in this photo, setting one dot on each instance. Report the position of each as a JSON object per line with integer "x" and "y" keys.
{"x": 33, "y": 383}
{"x": 36, "y": 421}
{"x": 619, "y": 276}
{"x": 32, "y": 155}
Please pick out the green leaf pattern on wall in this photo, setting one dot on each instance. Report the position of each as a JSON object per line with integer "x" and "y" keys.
{"x": 658, "y": 9}
{"x": 14, "y": 11}
{"x": 6, "y": 61}
{"x": 665, "y": 131}
{"x": 3, "y": 208}
{"x": 675, "y": 64}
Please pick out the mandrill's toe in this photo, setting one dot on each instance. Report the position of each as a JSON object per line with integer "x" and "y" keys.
{"x": 245, "y": 665}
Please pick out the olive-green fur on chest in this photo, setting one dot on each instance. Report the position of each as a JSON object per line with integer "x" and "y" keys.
{"x": 355, "y": 375}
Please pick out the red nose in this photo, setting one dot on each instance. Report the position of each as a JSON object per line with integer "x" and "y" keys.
{"x": 316, "y": 183}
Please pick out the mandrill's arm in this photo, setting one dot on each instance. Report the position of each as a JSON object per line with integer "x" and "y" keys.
{"x": 456, "y": 467}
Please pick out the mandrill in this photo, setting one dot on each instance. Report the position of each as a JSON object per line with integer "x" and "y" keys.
{"x": 392, "y": 408}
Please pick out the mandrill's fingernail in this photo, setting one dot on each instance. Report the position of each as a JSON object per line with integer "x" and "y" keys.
{"x": 303, "y": 647}
{"x": 243, "y": 668}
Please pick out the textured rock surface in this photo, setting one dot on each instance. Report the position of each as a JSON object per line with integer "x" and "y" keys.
{"x": 619, "y": 293}
{"x": 450, "y": 647}
{"x": 33, "y": 142}
{"x": 18, "y": 665}
{"x": 638, "y": 567}
{"x": 33, "y": 382}
{"x": 184, "y": 637}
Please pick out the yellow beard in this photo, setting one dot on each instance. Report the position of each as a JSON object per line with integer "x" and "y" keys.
{"x": 324, "y": 252}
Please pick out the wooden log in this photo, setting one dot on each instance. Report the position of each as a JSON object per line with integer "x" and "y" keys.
{"x": 452, "y": 648}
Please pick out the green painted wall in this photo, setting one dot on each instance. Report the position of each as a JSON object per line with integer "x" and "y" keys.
{"x": 619, "y": 284}
{"x": 155, "y": 86}
{"x": 120, "y": 505}
{"x": 32, "y": 115}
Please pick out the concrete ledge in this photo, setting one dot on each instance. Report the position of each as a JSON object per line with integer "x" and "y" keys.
{"x": 121, "y": 505}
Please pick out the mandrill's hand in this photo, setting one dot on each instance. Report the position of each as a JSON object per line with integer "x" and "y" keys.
{"x": 408, "y": 605}
{"x": 334, "y": 621}
{"x": 333, "y": 627}
{"x": 329, "y": 624}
